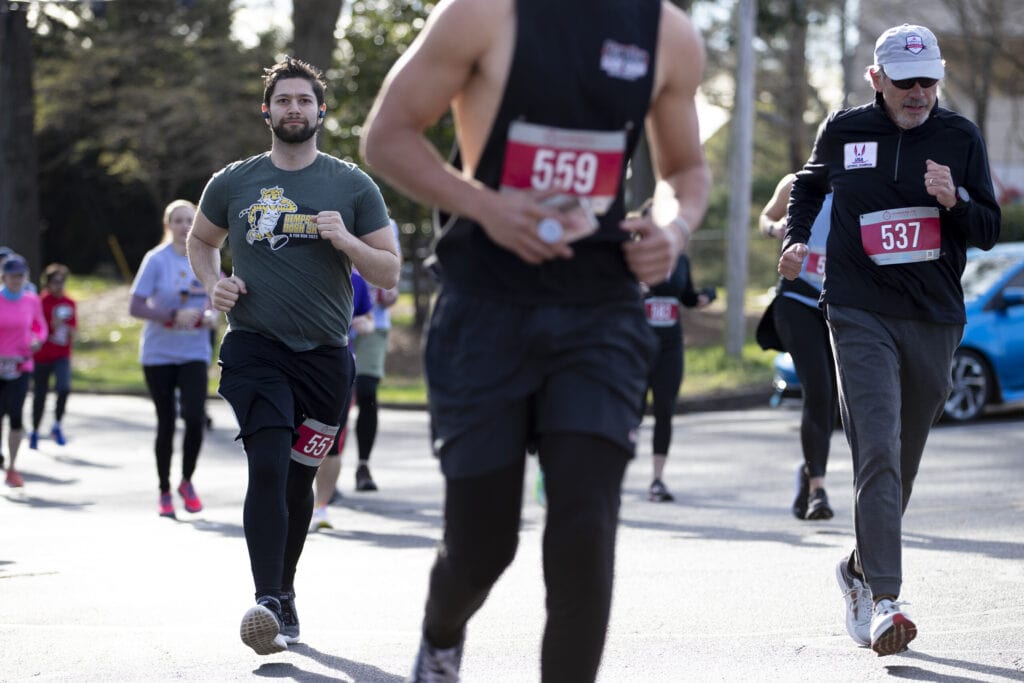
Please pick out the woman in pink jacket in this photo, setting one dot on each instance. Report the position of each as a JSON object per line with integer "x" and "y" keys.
{"x": 22, "y": 332}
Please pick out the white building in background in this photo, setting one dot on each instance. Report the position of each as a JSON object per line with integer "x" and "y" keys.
{"x": 1004, "y": 131}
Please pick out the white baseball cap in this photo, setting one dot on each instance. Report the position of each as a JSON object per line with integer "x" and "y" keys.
{"x": 909, "y": 51}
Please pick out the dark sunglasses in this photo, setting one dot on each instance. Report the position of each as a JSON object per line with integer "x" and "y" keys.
{"x": 908, "y": 83}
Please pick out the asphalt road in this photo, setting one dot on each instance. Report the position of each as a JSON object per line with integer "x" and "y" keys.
{"x": 722, "y": 585}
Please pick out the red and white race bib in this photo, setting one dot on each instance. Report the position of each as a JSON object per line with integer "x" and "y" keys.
{"x": 315, "y": 440}
{"x": 662, "y": 311}
{"x": 815, "y": 268}
{"x": 582, "y": 163}
{"x": 895, "y": 236}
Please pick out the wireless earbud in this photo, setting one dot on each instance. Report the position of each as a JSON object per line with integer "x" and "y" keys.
{"x": 266, "y": 114}
{"x": 323, "y": 111}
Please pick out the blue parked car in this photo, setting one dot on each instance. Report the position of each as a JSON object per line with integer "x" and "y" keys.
{"x": 988, "y": 367}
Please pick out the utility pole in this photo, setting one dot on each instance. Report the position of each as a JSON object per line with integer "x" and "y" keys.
{"x": 741, "y": 156}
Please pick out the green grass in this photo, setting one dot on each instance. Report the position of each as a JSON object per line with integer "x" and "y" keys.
{"x": 710, "y": 370}
{"x": 407, "y": 391}
{"x": 105, "y": 358}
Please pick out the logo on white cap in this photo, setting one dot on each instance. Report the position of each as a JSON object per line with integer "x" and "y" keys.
{"x": 915, "y": 43}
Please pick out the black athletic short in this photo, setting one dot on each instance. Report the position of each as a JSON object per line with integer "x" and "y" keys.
{"x": 296, "y": 386}
{"x": 500, "y": 374}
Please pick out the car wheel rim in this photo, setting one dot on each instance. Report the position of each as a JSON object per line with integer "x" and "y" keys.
{"x": 970, "y": 388}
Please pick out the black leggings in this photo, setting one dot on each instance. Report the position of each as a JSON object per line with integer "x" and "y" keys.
{"x": 191, "y": 383}
{"x": 277, "y": 510}
{"x": 583, "y": 479}
{"x": 41, "y": 386}
{"x": 366, "y": 421}
{"x": 665, "y": 378}
{"x": 12, "y": 400}
{"x": 805, "y": 333}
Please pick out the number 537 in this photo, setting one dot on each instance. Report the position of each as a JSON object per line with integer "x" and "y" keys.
{"x": 900, "y": 235}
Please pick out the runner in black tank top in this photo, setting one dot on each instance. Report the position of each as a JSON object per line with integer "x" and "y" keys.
{"x": 538, "y": 339}
{"x": 581, "y": 96}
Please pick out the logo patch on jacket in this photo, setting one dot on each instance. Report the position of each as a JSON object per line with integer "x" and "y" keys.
{"x": 860, "y": 155}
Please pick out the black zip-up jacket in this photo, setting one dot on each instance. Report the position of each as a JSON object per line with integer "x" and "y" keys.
{"x": 927, "y": 290}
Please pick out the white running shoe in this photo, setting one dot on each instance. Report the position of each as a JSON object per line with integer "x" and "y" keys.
{"x": 891, "y": 628}
{"x": 858, "y": 604}
{"x": 320, "y": 520}
{"x": 261, "y": 627}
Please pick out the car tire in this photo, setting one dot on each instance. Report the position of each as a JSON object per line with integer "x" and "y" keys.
{"x": 972, "y": 386}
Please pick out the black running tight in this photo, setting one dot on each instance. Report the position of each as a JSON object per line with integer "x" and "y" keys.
{"x": 277, "y": 510}
{"x": 366, "y": 422}
{"x": 805, "y": 333}
{"x": 665, "y": 378}
{"x": 583, "y": 479}
{"x": 61, "y": 371}
{"x": 189, "y": 379}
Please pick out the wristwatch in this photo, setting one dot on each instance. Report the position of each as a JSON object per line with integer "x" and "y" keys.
{"x": 963, "y": 199}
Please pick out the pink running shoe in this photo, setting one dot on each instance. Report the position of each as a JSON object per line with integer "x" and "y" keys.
{"x": 14, "y": 479}
{"x": 192, "y": 502}
{"x": 166, "y": 505}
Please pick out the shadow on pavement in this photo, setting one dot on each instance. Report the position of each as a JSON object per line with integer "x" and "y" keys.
{"x": 393, "y": 541}
{"x": 917, "y": 674}
{"x": 722, "y": 533}
{"x": 36, "y": 502}
{"x": 998, "y": 549}
{"x": 222, "y": 528}
{"x": 357, "y": 671}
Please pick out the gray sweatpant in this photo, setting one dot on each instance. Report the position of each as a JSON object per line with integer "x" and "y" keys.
{"x": 894, "y": 377}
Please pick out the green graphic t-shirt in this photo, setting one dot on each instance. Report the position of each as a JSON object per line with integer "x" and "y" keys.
{"x": 299, "y": 286}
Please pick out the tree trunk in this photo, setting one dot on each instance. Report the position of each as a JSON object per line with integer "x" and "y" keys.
{"x": 19, "y": 185}
{"x": 795, "y": 103}
{"x": 313, "y": 23}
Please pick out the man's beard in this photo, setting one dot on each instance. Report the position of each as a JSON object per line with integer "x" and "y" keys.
{"x": 294, "y": 135}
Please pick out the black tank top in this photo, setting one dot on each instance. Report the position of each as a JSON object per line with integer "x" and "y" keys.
{"x": 576, "y": 67}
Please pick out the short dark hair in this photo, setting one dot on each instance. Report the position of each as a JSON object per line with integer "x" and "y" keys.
{"x": 290, "y": 67}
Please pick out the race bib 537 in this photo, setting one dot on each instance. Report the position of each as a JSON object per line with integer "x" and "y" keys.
{"x": 907, "y": 235}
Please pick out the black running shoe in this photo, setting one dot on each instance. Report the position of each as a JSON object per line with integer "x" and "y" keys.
{"x": 289, "y": 618}
{"x": 803, "y": 487}
{"x": 817, "y": 505}
{"x": 658, "y": 493}
{"x": 364, "y": 482}
{"x": 437, "y": 665}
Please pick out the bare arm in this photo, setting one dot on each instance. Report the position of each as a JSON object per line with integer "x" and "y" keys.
{"x": 416, "y": 93}
{"x": 363, "y": 324}
{"x": 204, "y": 242}
{"x": 141, "y": 308}
{"x": 673, "y": 125}
{"x": 451, "y": 62}
{"x": 772, "y": 220}
{"x": 376, "y": 258}
{"x": 681, "y": 196}
{"x": 374, "y": 255}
